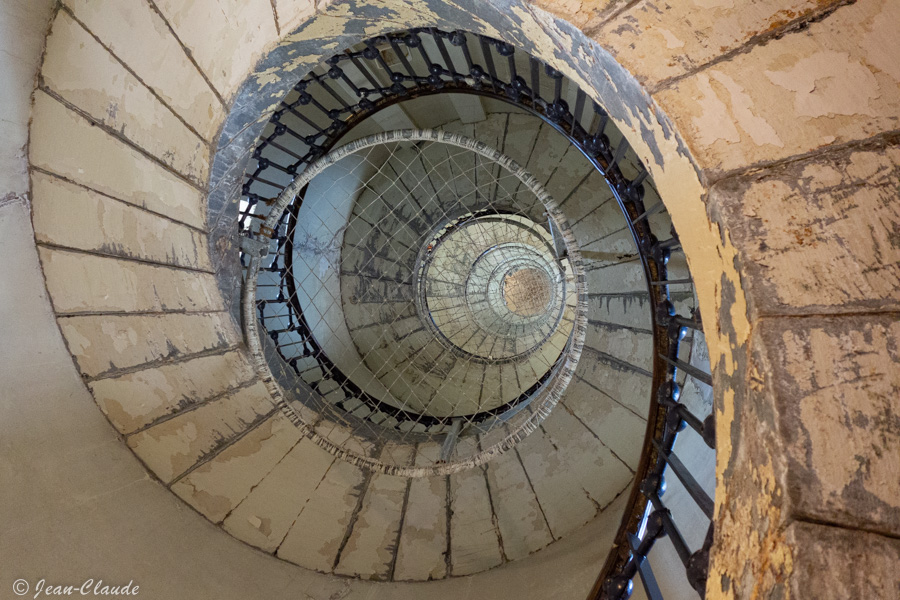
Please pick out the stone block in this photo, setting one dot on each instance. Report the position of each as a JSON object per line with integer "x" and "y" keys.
{"x": 135, "y": 400}
{"x": 175, "y": 445}
{"x": 82, "y": 72}
{"x": 474, "y": 536}
{"x": 616, "y": 278}
{"x": 840, "y": 253}
{"x": 422, "y": 551}
{"x": 834, "y": 83}
{"x": 582, "y": 13}
{"x": 567, "y": 506}
{"x": 66, "y": 144}
{"x": 245, "y": 27}
{"x": 317, "y": 534}
{"x": 373, "y": 541}
{"x": 217, "y": 486}
{"x": 616, "y": 425}
{"x": 835, "y": 388}
{"x": 141, "y": 39}
{"x": 292, "y": 13}
{"x": 264, "y": 517}
{"x": 520, "y": 518}
{"x": 599, "y": 472}
{"x": 69, "y": 215}
{"x": 831, "y": 562}
{"x": 631, "y": 310}
{"x": 621, "y": 382}
{"x": 104, "y": 344}
{"x": 633, "y": 346}
{"x": 86, "y": 283}
{"x": 657, "y": 40}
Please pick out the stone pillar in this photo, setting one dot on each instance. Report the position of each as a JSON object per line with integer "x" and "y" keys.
{"x": 808, "y": 497}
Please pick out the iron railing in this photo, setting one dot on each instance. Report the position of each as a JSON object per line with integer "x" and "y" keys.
{"x": 383, "y": 71}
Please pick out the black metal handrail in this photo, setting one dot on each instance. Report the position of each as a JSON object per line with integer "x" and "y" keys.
{"x": 461, "y": 62}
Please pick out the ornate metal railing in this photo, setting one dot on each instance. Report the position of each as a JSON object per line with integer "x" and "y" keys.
{"x": 352, "y": 86}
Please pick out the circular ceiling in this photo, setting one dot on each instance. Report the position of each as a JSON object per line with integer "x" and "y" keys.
{"x": 438, "y": 292}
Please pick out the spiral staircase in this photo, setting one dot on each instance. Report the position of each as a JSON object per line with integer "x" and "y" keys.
{"x": 403, "y": 309}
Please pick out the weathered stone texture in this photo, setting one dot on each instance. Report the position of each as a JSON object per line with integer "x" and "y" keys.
{"x": 421, "y": 553}
{"x": 520, "y": 517}
{"x": 840, "y": 253}
{"x": 584, "y": 14}
{"x": 65, "y": 143}
{"x": 80, "y": 283}
{"x": 474, "y": 536}
{"x": 103, "y": 344}
{"x": 831, "y": 562}
{"x": 264, "y": 517}
{"x": 620, "y": 428}
{"x": 245, "y": 27}
{"x": 835, "y": 387}
{"x": 217, "y": 486}
{"x": 173, "y": 446}
{"x": 135, "y": 400}
{"x": 659, "y": 39}
{"x": 837, "y": 82}
{"x": 138, "y": 36}
{"x": 72, "y": 216}
{"x": 372, "y": 545}
{"x": 292, "y": 13}
{"x": 815, "y": 436}
{"x": 81, "y": 71}
{"x": 316, "y": 536}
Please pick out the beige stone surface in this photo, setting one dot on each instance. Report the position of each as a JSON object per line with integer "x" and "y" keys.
{"x": 626, "y": 386}
{"x": 22, "y": 31}
{"x": 264, "y": 517}
{"x": 582, "y": 13}
{"x": 134, "y": 400}
{"x": 85, "y": 283}
{"x": 141, "y": 39}
{"x": 246, "y": 28}
{"x": 103, "y": 344}
{"x": 840, "y": 253}
{"x": 566, "y": 504}
{"x": 68, "y": 215}
{"x": 836, "y": 82}
{"x": 292, "y": 13}
{"x": 656, "y": 40}
{"x": 171, "y": 447}
{"x": 836, "y": 387}
{"x": 830, "y": 562}
{"x": 617, "y": 425}
{"x": 82, "y": 72}
{"x": 315, "y": 537}
{"x": 421, "y": 553}
{"x": 599, "y": 472}
{"x": 371, "y": 547}
{"x": 217, "y": 486}
{"x": 65, "y": 143}
{"x": 474, "y": 535}
{"x": 635, "y": 347}
{"x": 520, "y": 517}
